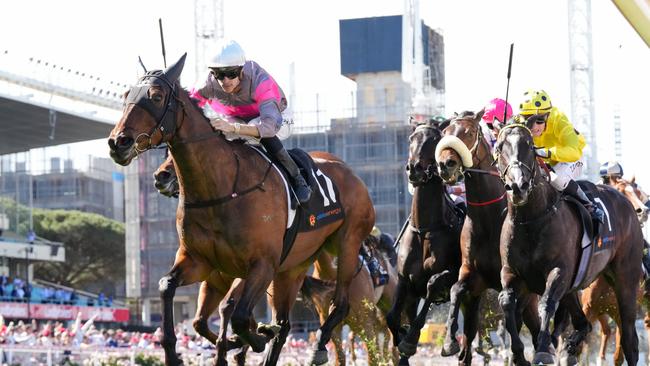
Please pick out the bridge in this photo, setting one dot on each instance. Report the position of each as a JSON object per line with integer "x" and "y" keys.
{"x": 44, "y": 104}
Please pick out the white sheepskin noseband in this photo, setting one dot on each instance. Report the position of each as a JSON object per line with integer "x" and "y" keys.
{"x": 454, "y": 143}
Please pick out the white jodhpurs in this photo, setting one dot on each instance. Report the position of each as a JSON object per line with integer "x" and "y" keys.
{"x": 563, "y": 173}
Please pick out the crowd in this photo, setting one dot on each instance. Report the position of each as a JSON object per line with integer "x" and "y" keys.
{"x": 18, "y": 290}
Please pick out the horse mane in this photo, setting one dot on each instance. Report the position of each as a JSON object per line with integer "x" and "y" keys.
{"x": 465, "y": 115}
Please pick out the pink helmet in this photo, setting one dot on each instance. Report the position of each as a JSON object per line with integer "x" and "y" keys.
{"x": 495, "y": 109}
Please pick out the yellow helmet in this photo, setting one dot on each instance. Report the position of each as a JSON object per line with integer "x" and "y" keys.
{"x": 535, "y": 102}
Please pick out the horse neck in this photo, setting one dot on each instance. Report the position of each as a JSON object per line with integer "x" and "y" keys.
{"x": 428, "y": 204}
{"x": 482, "y": 187}
{"x": 197, "y": 156}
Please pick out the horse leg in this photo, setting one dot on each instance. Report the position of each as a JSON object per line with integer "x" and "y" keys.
{"x": 348, "y": 241}
{"x": 605, "y": 332}
{"x": 470, "y": 327}
{"x": 208, "y": 301}
{"x": 394, "y": 316}
{"x": 257, "y": 281}
{"x": 226, "y": 307}
{"x": 282, "y": 296}
{"x": 508, "y": 301}
{"x": 530, "y": 316}
{"x": 339, "y": 352}
{"x": 581, "y": 326}
{"x": 626, "y": 292}
{"x": 556, "y": 286}
{"x": 185, "y": 271}
{"x": 435, "y": 285}
{"x": 458, "y": 290}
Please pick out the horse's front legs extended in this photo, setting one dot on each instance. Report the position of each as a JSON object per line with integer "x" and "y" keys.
{"x": 508, "y": 301}
{"x": 470, "y": 328}
{"x": 556, "y": 287}
{"x": 257, "y": 281}
{"x": 394, "y": 316}
{"x": 435, "y": 286}
{"x": 185, "y": 271}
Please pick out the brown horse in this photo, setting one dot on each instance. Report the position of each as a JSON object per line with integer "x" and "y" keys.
{"x": 232, "y": 218}
{"x": 541, "y": 246}
{"x": 429, "y": 249}
{"x": 217, "y": 290}
{"x": 368, "y": 304}
{"x": 599, "y": 299}
{"x": 464, "y": 153}
{"x": 636, "y": 196}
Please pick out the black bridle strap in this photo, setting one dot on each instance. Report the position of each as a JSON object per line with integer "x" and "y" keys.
{"x": 234, "y": 194}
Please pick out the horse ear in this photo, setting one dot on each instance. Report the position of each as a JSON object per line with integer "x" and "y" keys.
{"x": 479, "y": 115}
{"x": 633, "y": 179}
{"x": 173, "y": 72}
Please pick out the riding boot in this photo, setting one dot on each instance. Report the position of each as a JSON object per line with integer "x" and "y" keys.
{"x": 574, "y": 190}
{"x": 302, "y": 189}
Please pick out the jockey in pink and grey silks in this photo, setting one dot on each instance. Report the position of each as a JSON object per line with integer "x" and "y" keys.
{"x": 258, "y": 96}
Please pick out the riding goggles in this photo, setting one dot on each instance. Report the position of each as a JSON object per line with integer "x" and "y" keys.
{"x": 229, "y": 72}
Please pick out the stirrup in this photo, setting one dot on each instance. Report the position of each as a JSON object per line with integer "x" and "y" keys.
{"x": 303, "y": 193}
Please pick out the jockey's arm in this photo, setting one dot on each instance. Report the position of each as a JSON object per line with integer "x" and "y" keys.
{"x": 567, "y": 150}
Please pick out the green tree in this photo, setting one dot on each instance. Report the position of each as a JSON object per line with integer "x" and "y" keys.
{"x": 94, "y": 245}
{"x": 94, "y": 248}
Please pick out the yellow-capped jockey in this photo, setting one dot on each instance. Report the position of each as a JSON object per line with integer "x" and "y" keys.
{"x": 559, "y": 144}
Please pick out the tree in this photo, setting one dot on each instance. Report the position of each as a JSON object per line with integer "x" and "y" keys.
{"x": 94, "y": 248}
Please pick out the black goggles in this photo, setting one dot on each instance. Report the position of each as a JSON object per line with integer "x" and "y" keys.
{"x": 536, "y": 118}
{"x": 230, "y": 73}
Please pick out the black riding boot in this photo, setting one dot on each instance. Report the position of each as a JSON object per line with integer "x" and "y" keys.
{"x": 574, "y": 190}
{"x": 303, "y": 192}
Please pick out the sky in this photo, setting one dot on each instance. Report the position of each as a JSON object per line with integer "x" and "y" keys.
{"x": 106, "y": 37}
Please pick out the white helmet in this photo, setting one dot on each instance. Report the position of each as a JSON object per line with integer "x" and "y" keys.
{"x": 229, "y": 53}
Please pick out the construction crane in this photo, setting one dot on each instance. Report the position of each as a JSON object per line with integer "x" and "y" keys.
{"x": 208, "y": 30}
{"x": 582, "y": 80}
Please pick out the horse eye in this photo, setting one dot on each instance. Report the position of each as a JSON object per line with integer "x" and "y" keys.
{"x": 157, "y": 98}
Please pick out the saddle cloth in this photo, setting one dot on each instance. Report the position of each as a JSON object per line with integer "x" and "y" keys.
{"x": 596, "y": 238}
{"x": 324, "y": 206}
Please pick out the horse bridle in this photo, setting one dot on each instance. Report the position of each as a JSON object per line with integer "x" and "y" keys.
{"x": 516, "y": 163}
{"x": 431, "y": 170}
{"x": 473, "y": 150}
{"x": 165, "y": 117}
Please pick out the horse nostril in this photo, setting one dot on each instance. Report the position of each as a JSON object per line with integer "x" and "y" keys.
{"x": 111, "y": 143}
{"x": 508, "y": 187}
{"x": 162, "y": 176}
{"x": 639, "y": 210}
{"x": 123, "y": 141}
{"x": 524, "y": 186}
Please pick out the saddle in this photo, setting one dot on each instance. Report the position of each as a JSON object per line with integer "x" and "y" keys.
{"x": 596, "y": 238}
{"x": 324, "y": 206}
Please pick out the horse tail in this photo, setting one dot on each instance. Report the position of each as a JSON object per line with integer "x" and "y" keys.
{"x": 317, "y": 290}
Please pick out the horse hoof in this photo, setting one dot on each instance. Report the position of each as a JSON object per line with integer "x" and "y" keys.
{"x": 319, "y": 357}
{"x": 450, "y": 349}
{"x": 403, "y": 361}
{"x": 270, "y": 330}
{"x": 569, "y": 360}
{"x": 520, "y": 361}
{"x": 220, "y": 362}
{"x": 543, "y": 358}
{"x": 407, "y": 349}
{"x": 234, "y": 342}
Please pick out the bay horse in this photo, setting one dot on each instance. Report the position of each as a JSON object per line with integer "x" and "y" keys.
{"x": 232, "y": 219}
{"x": 599, "y": 300}
{"x": 219, "y": 290}
{"x": 365, "y": 300}
{"x": 463, "y": 153}
{"x": 368, "y": 304}
{"x": 541, "y": 243}
{"x": 429, "y": 249}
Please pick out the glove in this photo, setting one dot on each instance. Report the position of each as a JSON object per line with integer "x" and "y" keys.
{"x": 543, "y": 152}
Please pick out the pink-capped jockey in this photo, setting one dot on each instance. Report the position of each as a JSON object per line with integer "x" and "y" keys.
{"x": 495, "y": 110}
{"x": 252, "y": 103}
{"x": 493, "y": 118}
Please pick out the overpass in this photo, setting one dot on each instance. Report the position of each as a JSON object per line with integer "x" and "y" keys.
{"x": 43, "y": 104}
